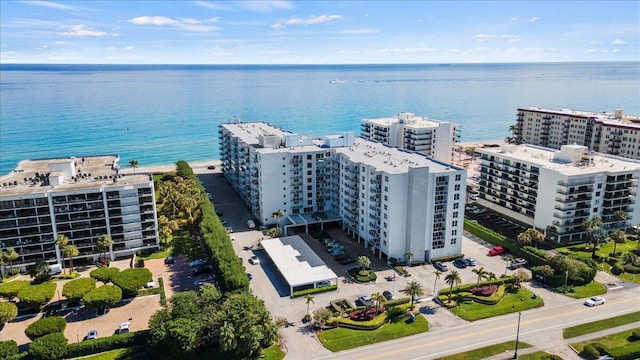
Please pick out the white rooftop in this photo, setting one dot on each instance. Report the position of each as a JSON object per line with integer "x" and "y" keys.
{"x": 408, "y": 119}
{"x": 601, "y": 117}
{"x": 250, "y": 133}
{"x": 296, "y": 261}
{"x": 390, "y": 159}
{"x": 551, "y": 159}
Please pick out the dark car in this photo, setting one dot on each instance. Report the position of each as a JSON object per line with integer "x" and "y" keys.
{"x": 348, "y": 260}
{"x": 211, "y": 167}
{"x": 387, "y": 294}
{"x": 169, "y": 260}
{"x": 460, "y": 263}
{"x": 440, "y": 266}
{"x": 202, "y": 270}
{"x": 340, "y": 257}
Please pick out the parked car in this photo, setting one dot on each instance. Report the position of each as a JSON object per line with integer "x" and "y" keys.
{"x": 211, "y": 167}
{"x": 254, "y": 260}
{"x": 595, "y": 301}
{"x": 251, "y": 224}
{"x": 387, "y": 295}
{"x": 202, "y": 270}
{"x": 348, "y": 260}
{"x": 124, "y": 328}
{"x": 169, "y": 260}
{"x": 196, "y": 263}
{"x": 324, "y": 283}
{"x": 229, "y": 229}
{"x": 339, "y": 257}
{"x": 93, "y": 334}
{"x": 150, "y": 284}
{"x": 460, "y": 263}
{"x": 517, "y": 263}
{"x": 440, "y": 266}
{"x": 205, "y": 281}
{"x": 496, "y": 250}
{"x": 469, "y": 261}
{"x": 365, "y": 300}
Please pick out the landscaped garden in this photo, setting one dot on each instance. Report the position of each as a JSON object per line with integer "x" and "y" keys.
{"x": 624, "y": 345}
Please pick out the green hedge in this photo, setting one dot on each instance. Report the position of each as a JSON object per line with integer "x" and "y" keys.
{"x": 104, "y": 274}
{"x": 45, "y": 326}
{"x": 467, "y": 287}
{"x": 10, "y": 290}
{"x": 395, "y": 302}
{"x": 107, "y": 343}
{"x": 486, "y": 300}
{"x": 75, "y": 289}
{"x": 401, "y": 270}
{"x": 163, "y": 295}
{"x": 447, "y": 258}
{"x": 299, "y": 293}
{"x": 48, "y": 347}
{"x": 366, "y": 325}
{"x": 131, "y": 280}
{"x": 37, "y": 295}
{"x": 8, "y": 349}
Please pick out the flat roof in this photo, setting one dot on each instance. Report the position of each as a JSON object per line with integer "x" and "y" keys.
{"x": 296, "y": 261}
{"x": 390, "y": 159}
{"x": 412, "y": 122}
{"x": 93, "y": 171}
{"x": 250, "y": 132}
{"x": 602, "y": 117}
{"x": 544, "y": 157}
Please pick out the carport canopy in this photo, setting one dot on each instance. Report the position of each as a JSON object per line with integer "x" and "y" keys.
{"x": 297, "y": 262}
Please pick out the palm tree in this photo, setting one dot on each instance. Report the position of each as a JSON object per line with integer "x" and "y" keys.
{"x": 437, "y": 274}
{"x": 104, "y": 243}
{"x": 70, "y": 251}
{"x": 508, "y": 259}
{"x": 618, "y": 236}
{"x": 413, "y": 289}
{"x": 481, "y": 272}
{"x": 378, "y": 298}
{"x": 364, "y": 262}
{"x": 453, "y": 278}
{"x": 408, "y": 255}
{"x": 620, "y": 217}
{"x": 277, "y": 215}
{"x": 590, "y": 225}
{"x": 531, "y": 235}
{"x": 629, "y": 258}
{"x": 309, "y": 301}
{"x": 133, "y": 164}
{"x": 61, "y": 242}
{"x": 10, "y": 255}
{"x": 490, "y": 276}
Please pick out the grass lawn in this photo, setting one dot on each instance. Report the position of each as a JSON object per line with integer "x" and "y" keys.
{"x": 511, "y": 303}
{"x": 487, "y": 351}
{"x": 599, "y": 325}
{"x": 156, "y": 255}
{"x": 131, "y": 353}
{"x": 342, "y": 339}
{"x": 603, "y": 251}
{"x": 618, "y": 342}
{"x": 586, "y": 291}
{"x": 538, "y": 355}
{"x": 274, "y": 352}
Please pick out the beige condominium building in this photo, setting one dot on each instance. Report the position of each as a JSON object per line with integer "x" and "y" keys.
{"x": 82, "y": 198}
{"x": 392, "y": 200}
{"x": 434, "y": 138}
{"x": 609, "y": 133}
{"x": 557, "y": 190}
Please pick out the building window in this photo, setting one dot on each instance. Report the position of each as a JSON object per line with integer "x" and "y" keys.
{"x": 386, "y": 189}
{"x": 309, "y": 194}
{"x": 385, "y": 206}
{"x": 458, "y": 177}
{"x": 384, "y": 215}
{"x": 455, "y": 214}
{"x": 308, "y": 173}
{"x": 386, "y": 179}
{"x": 454, "y": 223}
{"x": 457, "y": 187}
{"x": 454, "y": 232}
{"x": 385, "y": 225}
{"x": 454, "y": 241}
{"x": 309, "y": 202}
{"x": 456, "y": 196}
{"x": 309, "y": 187}
{"x": 309, "y": 165}
{"x": 386, "y": 198}
{"x": 308, "y": 157}
{"x": 455, "y": 205}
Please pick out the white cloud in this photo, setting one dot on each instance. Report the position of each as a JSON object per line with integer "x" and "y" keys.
{"x": 275, "y": 52}
{"x": 513, "y": 19}
{"x": 210, "y": 6}
{"x": 511, "y": 37}
{"x": 277, "y": 26}
{"x": 618, "y": 42}
{"x": 265, "y": 6}
{"x": 212, "y": 20}
{"x": 311, "y": 20}
{"x": 129, "y": 48}
{"x": 615, "y": 51}
{"x": 597, "y": 51}
{"x": 534, "y": 19}
{"x": 49, "y": 4}
{"x": 408, "y": 50}
{"x": 487, "y": 37}
{"x": 484, "y": 37}
{"x": 359, "y": 31}
{"x": 595, "y": 42}
{"x": 83, "y": 30}
{"x": 188, "y": 24}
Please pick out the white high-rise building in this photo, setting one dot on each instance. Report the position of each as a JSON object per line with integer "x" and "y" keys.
{"x": 436, "y": 139}
{"x": 82, "y": 198}
{"x": 557, "y": 190}
{"x": 395, "y": 201}
{"x": 609, "y": 133}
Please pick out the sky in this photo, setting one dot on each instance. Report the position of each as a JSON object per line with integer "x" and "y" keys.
{"x": 317, "y": 32}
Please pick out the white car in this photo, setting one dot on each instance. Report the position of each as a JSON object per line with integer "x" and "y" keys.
{"x": 124, "y": 327}
{"x": 229, "y": 229}
{"x": 254, "y": 260}
{"x": 594, "y": 301}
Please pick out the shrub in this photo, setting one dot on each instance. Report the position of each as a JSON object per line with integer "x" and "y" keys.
{"x": 104, "y": 274}
{"x": 590, "y": 352}
{"x": 46, "y": 326}
{"x": 37, "y": 295}
{"x": 617, "y": 269}
{"x": 370, "y": 324}
{"x": 418, "y": 263}
{"x": 447, "y": 258}
{"x": 631, "y": 269}
{"x": 395, "y": 302}
{"x": 74, "y": 274}
{"x": 52, "y": 346}
{"x": 8, "y": 311}
{"x": 636, "y": 335}
{"x": 103, "y": 296}
{"x": 75, "y": 289}
{"x": 467, "y": 287}
{"x": 8, "y": 349}
{"x": 314, "y": 291}
{"x": 107, "y": 343}
{"x": 11, "y": 289}
{"x": 130, "y": 280}
{"x": 401, "y": 270}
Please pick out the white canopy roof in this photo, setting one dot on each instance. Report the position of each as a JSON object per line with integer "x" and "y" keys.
{"x": 296, "y": 261}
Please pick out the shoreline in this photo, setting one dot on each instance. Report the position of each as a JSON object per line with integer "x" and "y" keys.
{"x": 199, "y": 167}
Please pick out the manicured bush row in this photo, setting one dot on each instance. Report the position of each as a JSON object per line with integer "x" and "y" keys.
{"x": 401, "y": 270}
{"x": 467, "y": 287}
{"x": 163, "y": 295}
{"x": 52, "y": 346}
{"x": 37, "y": 295}
{"x": 8, "y": 349}
{"x": 447, "y": 258}
{"x": 631, "y": 269}
{"x": 486, "y": 300}
{"x": 45, "y": 326}
{"x": 628, "y": 352}
{"x": 10, "y": 290}
{"x": 418, "y": 263}
{"x": 75, "y": 289}
{"x": 395, "y": 302}
{"x": 107, "y": 343}
{"x": 131, "y": 280}
{"x": 104, "y": 274}
{"x": 366, "y": 325}
{"x": 8, "y": 311}
{"x": 314, "y": 291}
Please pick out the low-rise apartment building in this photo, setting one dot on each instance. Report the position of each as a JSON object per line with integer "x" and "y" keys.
{"x": 82, "y": 198}
{"x": 434, "y": 138}
{"x": 609, "y": 133}
{"x": 557, "y": 190}
{"x": 394, "y": 201}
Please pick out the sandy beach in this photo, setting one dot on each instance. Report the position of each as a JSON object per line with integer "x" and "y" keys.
{"x": 199, "y": 167}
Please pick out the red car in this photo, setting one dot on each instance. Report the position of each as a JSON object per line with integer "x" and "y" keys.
{"x": 496, "y": 250}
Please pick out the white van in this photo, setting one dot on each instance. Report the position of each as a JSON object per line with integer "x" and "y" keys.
{"x": 55, "y": 269}
{"x": 251, "y": 224}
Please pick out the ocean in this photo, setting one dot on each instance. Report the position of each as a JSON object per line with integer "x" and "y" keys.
{"x": 159, "y": 114}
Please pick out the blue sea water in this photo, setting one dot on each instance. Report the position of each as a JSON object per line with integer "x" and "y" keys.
{"x": 158, "y": 114}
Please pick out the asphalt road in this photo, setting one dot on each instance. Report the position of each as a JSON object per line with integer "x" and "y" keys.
{"x": 539, "y": 327}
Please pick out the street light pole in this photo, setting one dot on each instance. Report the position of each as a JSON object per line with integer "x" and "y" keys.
{"x": 515, "y": 355}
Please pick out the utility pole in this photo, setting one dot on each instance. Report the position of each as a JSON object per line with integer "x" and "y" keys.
{"x": 515, "y": 355}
